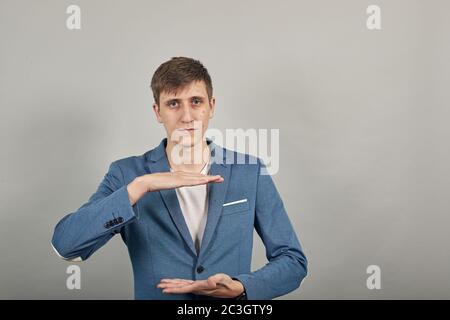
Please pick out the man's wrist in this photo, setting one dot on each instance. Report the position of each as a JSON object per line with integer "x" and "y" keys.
{"x": 243, "y": 294}
{"x": 136, "y": 189}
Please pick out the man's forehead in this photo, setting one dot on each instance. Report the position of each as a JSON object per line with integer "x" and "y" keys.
{"x": 196, "y": 88}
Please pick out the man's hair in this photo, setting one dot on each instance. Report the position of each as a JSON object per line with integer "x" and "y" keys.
{"x": 175, "y": 74}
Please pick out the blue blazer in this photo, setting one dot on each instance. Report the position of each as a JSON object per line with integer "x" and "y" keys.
{"x": 159, "y": 242}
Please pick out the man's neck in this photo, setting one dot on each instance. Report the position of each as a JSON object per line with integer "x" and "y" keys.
{"x": 187, "y": 158}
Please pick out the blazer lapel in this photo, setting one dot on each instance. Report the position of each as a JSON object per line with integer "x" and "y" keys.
{"x": 216, "y": 194}
{"x": 159, "y": 163}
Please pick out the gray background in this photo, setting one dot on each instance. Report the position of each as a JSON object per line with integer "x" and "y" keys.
{"x": 362, "y": 116}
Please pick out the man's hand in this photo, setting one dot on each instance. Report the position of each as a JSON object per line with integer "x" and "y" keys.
{"x": 219, "y": 285}
{"x": 166, "y": 180}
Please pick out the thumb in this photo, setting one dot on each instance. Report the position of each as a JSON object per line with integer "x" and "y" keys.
{"x": 212, "y": 282}
{"x": 219, "y": 278}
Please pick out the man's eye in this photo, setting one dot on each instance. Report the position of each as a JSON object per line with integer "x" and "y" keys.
{"x": 196, "y": 101}
{"x": 173, "y": 104}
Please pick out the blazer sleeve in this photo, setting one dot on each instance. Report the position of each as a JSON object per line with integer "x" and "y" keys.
{"x": 287, "y": 264}
{"x": 79, "y": 234}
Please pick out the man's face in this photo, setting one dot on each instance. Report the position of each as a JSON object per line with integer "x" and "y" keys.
{"x": 185, "y": 114}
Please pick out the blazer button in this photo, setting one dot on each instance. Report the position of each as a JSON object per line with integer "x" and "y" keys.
{"x": 120, "y": 219}
{"x": 107, "y": 225}
{"x": 116, "y": 221}
{"x": 200, "y": 269}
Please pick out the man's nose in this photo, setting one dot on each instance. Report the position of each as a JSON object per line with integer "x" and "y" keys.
{"x": 186, "y": 113}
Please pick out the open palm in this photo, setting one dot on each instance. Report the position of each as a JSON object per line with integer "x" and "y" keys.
{"x": 219, "y": 285}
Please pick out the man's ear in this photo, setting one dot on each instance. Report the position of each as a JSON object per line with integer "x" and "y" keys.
{"x": 212, "y": 105}
{"x": 157, "y": 112}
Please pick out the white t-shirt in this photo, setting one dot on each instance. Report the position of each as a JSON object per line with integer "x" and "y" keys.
{"x": 194, "y": 206}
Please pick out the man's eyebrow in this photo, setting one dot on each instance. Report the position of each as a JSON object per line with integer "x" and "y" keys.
{"x": 178, "y": 99}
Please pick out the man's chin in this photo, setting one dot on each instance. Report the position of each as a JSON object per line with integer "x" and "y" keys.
{"x": 188, "y": 143}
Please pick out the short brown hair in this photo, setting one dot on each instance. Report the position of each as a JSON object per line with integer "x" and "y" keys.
{"x": 178, "y": 72}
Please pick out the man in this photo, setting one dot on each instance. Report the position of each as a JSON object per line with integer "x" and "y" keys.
{"x": 188, "y": 225}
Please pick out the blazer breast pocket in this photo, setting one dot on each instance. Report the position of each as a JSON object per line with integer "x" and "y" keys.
{"x": 239, "y": 206}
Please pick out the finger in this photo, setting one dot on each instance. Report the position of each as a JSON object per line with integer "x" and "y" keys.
{"x": 220, "y": 280}
{"x": 190, "y": 174}
{"x": 192, "y": 181}
{"x": 219, "y": 277}
{"x": 175, "y": 280}
{"x": 202, "y": 177}
{"x": 193, "y": 287}
{"x": 181, "y": 289}
{"x": 213, "y": 180}
{"x": 195, "y": 175}
{"x": 172, "y": 285}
